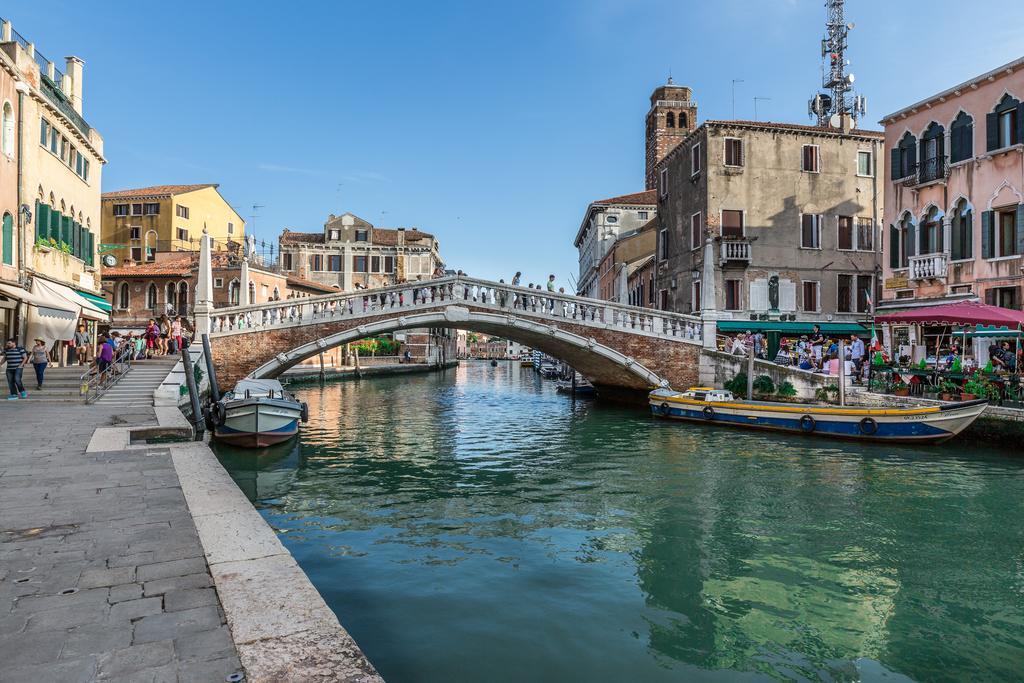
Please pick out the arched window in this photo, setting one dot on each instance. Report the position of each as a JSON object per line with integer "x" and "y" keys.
{"x": 233, "y": 291}
{"x": 904, "y": 157}
{"x": 932, "y": 153}
{"x": 682, "y": 119}
{"x": 123, "y": 297}
{"x": 7, "y": 240}
{"x": 183, "y": 298}
{"x": 1004, "y": 125}
{"x": 171, "y": 290}
{"x": 961, "y": 231}
{"x": 149, "y": 243}
{"x": 7, "y": 130}
{"x": 930, "y": 232}
{"x": 151, "y": 297}
{"x": 961, "y": 138}
{"x": 670, "y": 120}
{"x": 901, "y": 242}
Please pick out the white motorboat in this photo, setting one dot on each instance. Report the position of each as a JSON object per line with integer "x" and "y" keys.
{"x": 257, "y": 413}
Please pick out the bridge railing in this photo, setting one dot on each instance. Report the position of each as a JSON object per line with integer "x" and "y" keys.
{"x": 533, "y": 303}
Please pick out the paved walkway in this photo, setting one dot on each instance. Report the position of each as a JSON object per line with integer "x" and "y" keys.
{"x": 102, "y": 575}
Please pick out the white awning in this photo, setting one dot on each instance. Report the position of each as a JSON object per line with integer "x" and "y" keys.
{"x": 50, "y": 305}
{"x": 52, "y": 290}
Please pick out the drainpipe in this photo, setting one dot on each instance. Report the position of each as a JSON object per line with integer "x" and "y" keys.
{"x": 22, "y": 88}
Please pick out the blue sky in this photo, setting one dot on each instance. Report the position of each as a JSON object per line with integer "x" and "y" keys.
{"x": 491, "y": 125}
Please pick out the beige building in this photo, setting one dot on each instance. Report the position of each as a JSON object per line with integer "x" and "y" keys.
{"x": 147, "y": 221}
{"x": 58, "y": 156}
{"x": 350, "y": 253}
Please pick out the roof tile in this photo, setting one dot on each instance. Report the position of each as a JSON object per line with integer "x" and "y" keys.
{"x": 155, "y": 191}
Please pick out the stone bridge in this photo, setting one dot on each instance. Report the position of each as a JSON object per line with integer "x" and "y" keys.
{"x": 614, "y": 346}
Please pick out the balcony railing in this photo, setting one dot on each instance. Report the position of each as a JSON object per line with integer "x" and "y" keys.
{"x": 929, "y": 170}
{"x": 735, "y": 250}
{"x": 929, "y": 266}
{"x": 59, "y": 100}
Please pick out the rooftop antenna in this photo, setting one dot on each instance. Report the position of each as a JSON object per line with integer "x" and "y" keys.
{"x": 829, "y": 107}
{"x": 734, "y": 82}
{"x": 762, "y": 99}
{"x": 255, "y": 214}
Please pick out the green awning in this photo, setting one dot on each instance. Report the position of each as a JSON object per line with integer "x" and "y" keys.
{"x": 788, "y": 327}
{"x": 987, "y": 331}
{"x": 97, "y": 301}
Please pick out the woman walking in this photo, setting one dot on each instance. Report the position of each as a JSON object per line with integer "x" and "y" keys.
{"x": 176, "y": 333}
{"x": 39, "y": 361}
{"x": 16, "y": 358}
{"x": 165, "y": 333}
{"x": 152, "y": 337}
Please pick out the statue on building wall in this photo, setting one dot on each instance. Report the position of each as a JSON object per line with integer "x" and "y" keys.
{"x": 773, "y": 292}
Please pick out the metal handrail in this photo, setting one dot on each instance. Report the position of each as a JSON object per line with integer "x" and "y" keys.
{"x": 95, "y": 383}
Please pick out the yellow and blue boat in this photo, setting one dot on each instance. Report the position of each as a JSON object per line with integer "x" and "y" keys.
{"x": 720, "y": 407}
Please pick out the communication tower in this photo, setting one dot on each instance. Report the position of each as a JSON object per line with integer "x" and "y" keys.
{"x": 828, "y": 107}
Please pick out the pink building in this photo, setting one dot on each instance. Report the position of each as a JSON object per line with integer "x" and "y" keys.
{"x": 954, "y": 198}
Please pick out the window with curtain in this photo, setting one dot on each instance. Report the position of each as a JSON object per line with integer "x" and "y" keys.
{"x": 930, "y": 232}
{"x": 151, "y": 297}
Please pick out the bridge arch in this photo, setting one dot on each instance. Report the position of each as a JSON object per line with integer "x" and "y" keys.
{"x": 601, "y": 364}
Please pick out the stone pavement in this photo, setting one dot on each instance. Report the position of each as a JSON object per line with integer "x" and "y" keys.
{"x": 102, "y": 574}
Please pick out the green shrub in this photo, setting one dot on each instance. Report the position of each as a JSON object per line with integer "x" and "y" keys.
{"x": 738, "y": 384}
{"x": 763, "y": 384}
{"x": 786, "y": 389}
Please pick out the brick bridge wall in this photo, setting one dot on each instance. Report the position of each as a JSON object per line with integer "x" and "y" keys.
{"x": 237, "y": 355}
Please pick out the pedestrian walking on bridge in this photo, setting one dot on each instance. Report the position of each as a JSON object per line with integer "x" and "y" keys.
{"x": 40, "y": 359}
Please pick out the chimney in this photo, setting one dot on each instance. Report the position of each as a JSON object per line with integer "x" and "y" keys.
{"x": 401, "y": 237}
{"x": 845, "y": 122}
{"x": 74, "y": 89}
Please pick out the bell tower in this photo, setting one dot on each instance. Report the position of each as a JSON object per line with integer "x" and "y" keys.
{"x": 673, "y": 116}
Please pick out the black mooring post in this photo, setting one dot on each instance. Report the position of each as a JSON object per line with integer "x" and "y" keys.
{"x": 193, "y": 393}
{"x": 214, "y": 387}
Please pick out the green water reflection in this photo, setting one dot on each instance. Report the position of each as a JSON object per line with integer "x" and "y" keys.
{"x": 477, "y": 526}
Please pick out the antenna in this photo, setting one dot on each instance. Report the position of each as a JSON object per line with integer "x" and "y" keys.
{"x": 255, "y": 213}
{"x": 840, "y": 98}
{"x": 759, "y": 99}
{"x": 734, "y": 82}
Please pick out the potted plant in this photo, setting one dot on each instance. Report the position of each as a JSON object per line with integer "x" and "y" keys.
{"x": 949, "y": 391}
{"x": 973, "y": 388}
{"x": 901, "y": 388}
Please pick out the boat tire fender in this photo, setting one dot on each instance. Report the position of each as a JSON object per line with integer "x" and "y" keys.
{"x": 208, "y": 419}
{"x": 807, "y": 423}
{"x": 665, "y": 409}
{"x": 304, "y": 414}
{"x": 709, "y": 412}
{"x": 868, "y": 426}
{"x": 219, "y": 414}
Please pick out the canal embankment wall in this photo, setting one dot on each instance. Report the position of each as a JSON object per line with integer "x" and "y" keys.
{"x": 280, "y": 625}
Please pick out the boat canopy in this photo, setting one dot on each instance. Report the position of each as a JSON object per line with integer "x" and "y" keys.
{"x": 259, "y": 387}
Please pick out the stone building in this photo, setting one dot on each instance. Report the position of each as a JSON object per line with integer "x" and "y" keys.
{"x": 147, "y": 221}
{"x": 628, "y": 253}
{"x": 603, "y": 223}
{"x": 52, "y": 161}
{"x": 672, "y": 116}
{"x": 954, "y": 196}
{"x": 792, "y": 214}
{"x": 352, "y": 253}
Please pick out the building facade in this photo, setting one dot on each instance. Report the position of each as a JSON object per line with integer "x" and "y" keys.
{"x": 627, "y": 253}
{"x": 141, "y": 223}
{"x": 55, "y": 159}
{"x": 604, "y": 221}
{"x": 792, "y": 214}
{"x": 351, "y": 253}
{"x": 954, "y": 196}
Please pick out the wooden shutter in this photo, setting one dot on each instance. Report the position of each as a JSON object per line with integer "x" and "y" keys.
{"x": 987, "y": 236}
{"x": 990, "y": 297}
{"x": 894, "y": 247}
{"x": 54, "y": 232}
{"x": 1020, "y": 131}
{"x": 969, "y": 236}
{"x": 911, "y": 240}
{"x": 7, "y": 248}
{"x": 787, "y": 295}
{"x": 42, "y": 220}
{"x": 90, "y": 247}
{"x": 758, "y": 295}
{"x": 956, "y": 230}
{"x": 991, "y": 131}
{"x": 954, "y": 143}
{"x": 894, "y": 163}
{"x": 1019, "y": 231}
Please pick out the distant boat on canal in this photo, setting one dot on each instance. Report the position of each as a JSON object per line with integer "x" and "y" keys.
{"x": 257, "y": 413}
{"x": 718, "y": 406}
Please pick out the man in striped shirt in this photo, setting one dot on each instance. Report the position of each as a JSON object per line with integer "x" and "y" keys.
{"x": 16, "y": 358}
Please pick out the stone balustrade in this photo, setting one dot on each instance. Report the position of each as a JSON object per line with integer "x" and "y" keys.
{"x": 929, "y": 266}
{"x": 456, "y": 290}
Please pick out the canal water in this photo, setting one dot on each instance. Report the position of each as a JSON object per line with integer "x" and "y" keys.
{"x": 475, "y": 525}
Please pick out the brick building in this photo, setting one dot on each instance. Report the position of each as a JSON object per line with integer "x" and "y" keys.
{"x": 672, "y": 116}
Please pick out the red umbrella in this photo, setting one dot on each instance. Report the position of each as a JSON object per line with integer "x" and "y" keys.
{"x": 959, "y": 313}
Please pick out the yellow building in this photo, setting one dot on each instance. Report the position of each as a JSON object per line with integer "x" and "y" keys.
{"x": 165, "y": 218}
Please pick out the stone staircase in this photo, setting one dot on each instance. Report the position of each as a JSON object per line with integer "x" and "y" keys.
{"x": 136, "y": 388}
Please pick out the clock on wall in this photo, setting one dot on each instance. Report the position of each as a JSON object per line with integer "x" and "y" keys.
{"x": 109, "y": 261}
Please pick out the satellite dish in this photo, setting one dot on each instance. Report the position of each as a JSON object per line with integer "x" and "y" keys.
{"x": 849, "y": 78}
{"x": 835, "y": 121}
